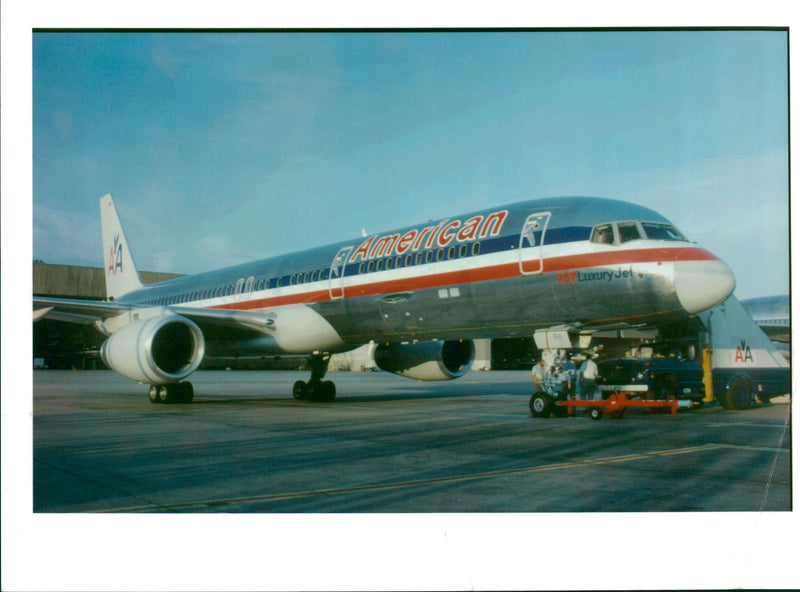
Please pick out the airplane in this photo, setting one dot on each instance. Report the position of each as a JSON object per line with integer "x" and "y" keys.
{"x": 422, "y": 293}
{"x": 773, "y": 316}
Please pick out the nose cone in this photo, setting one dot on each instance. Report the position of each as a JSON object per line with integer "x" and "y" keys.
{"x": 701, "y": 285}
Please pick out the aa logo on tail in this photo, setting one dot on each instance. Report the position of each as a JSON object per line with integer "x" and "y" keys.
{"x": 743, "y": 353}
{"x": 115, "y": 257}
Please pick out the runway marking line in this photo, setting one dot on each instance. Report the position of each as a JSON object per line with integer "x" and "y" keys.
{"x": 714, "y": 424}
{"x": 419, "y": 482}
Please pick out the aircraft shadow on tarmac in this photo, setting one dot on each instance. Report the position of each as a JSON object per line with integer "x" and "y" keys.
{"x": 229, "y": 399}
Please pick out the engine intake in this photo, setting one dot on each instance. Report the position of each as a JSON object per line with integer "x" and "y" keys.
{"x": 159, "y": 350}
{"x": 431, "y": 360}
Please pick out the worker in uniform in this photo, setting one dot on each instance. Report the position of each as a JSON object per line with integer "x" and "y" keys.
{"x": 588, "y": 378}
{"x": 538, "y": 374}
{"x": 571, "y": 373}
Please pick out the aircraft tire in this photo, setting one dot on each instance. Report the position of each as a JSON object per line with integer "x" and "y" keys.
{"x": 560, "y": 410}
{"x": 299, "y": 390}
{"x": 540, "y": 405}
{"x": 327, "y": 391}
{"x": 664, "y": 388}
{"x": 738, "y": 396}
{"x": 153, "y": 394}
{"x": 186, "y": 392}
{"x": 171, "y": 393}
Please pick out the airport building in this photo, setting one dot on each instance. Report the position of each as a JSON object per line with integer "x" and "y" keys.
{"x": 67, "y": 345}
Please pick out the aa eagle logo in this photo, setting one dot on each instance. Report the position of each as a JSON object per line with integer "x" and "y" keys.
{"x": 115, "y": 257}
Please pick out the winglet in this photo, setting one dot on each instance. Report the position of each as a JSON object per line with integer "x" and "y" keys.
{"x": 120, "y": 271}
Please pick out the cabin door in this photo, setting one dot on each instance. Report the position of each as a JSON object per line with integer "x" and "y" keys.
{"x": 336, "y": 280}
{"x": 530, "y": 243}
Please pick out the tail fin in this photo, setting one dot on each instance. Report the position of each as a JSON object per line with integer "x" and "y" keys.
{"x": 120, "y": 271}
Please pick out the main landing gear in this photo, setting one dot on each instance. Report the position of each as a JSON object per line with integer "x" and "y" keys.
{"x": 316, "y": 389}
{"x": 178, "y": 392}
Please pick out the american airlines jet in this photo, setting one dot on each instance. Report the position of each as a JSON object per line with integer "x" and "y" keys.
{"x": 423, "y": 293}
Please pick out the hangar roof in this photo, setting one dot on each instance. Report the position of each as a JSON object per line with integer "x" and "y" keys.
{"x": 69, "y": 281}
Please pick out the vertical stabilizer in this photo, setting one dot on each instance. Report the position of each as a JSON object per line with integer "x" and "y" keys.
{"x": 120, "y": 271}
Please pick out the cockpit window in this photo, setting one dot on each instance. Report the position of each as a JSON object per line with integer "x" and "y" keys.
{"x": 603, "y": 234}
{"x": 628, "y": 231}
{"x": 661, "y": 231}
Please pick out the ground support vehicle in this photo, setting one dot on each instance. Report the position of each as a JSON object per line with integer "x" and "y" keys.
{"x": 653, "y": 378}
{"x": 544, "y": 404}
{"x": 617, "y": 402}
{"x": 740, "y": 361}
{"x": 738, "y": 364}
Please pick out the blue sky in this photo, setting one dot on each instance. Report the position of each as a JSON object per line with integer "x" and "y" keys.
{"x": 222, "y": 148}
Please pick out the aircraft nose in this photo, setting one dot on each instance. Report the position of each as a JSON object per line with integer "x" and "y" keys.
{"x": 701, "y": 285}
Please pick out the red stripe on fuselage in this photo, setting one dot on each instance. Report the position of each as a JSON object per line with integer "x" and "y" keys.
{"x": 483, "y": 274}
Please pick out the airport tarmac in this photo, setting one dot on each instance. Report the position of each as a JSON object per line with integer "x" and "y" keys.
{"x": 389, "y": 445}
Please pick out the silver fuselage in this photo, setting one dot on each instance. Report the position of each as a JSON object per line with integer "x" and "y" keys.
{"x": 501, "y": 272}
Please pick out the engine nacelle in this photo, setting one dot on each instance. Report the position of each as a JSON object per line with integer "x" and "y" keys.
{"x": 159, "y": 350}
{"x": 430, "y": 360}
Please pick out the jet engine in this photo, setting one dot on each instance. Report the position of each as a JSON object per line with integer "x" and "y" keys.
{"x": 159, "y": 350}
{"x": 431, "y": 360}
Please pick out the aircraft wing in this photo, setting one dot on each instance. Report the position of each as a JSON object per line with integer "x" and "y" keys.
{"x": 232, "y": 324}
{"x": 76, "y": 311}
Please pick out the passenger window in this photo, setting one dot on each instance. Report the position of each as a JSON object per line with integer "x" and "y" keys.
{"x": 379, "y": 265}
{"x": 399, "y": 262}
{"x": 603, "y": 234}
{"x": 428, "y": 256}
{"x": 419, "y": 259}
{"x": 476, "y": 248}
{"x": 440, "y": 254}
{"x": 370, "y": 266}
{"x": 360, "y": 268}
{"x": 628, "y": 231}
{"x": 451, "y": 252}
{"x": 390, "y": 264}
{"x": 462, "y": 251}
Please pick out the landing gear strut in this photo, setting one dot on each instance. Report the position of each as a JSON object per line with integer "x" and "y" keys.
{"x": 316, "y": 389}
{"x": 178, "y": 392}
